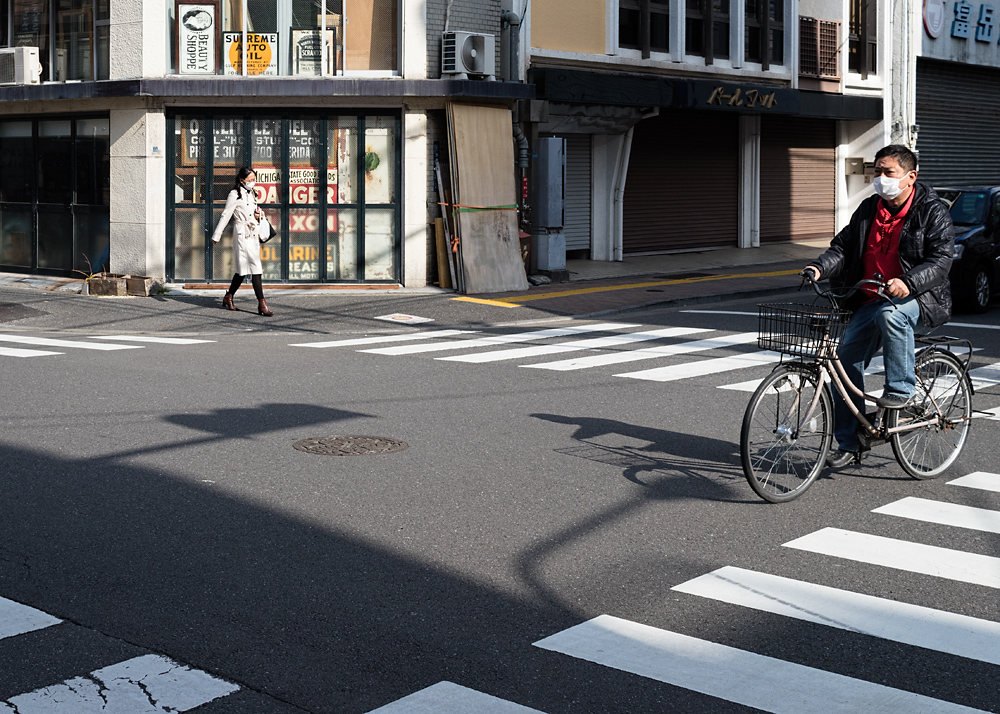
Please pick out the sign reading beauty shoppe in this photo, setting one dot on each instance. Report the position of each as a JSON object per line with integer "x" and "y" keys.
{"x": 196, "y": 37}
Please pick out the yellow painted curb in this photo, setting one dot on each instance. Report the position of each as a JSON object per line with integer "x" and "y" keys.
{"x": 516, "y": 300}
{"x": 495, "y": 303}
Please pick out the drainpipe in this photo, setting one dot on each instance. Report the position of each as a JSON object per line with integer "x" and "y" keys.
{"x": 620, "y": 176}
{"x": 512, "y": 20}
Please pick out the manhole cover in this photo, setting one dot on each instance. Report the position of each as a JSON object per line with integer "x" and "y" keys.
{"x": 350, "y": 445}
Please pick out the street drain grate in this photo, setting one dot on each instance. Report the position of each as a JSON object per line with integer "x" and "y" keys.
{"x": 350, "y": 445}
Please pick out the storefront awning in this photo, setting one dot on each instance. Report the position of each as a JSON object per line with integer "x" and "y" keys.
{"x": 735, "y": 95}
{"x": 191, "y": 87}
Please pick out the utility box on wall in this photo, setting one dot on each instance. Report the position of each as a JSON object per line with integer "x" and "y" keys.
{"x": 550, "y": 182}
{"x": 550, "y": 207}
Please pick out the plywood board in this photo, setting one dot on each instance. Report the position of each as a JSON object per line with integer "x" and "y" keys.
{"x": 483, "y": 178}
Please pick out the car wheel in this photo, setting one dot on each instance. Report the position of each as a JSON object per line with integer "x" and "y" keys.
{"x": 980, "y": 290}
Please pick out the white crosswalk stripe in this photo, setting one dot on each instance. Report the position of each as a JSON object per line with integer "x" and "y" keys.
{"x": 748, "y": 678}
{"x": 408, "y": 337}
{"x": 449, "y": 698}
{"x": 16, "y": 619}
{"x": 595, "y": 343}
{"x": 683, "y": 348}
{"x": 943, "y": 513}
{"x": 499, "y": 339}
{"x": 926, "y": 627}
{"x": 704, "y": 367}
{"x": 982, "y": 480}
{"x": 149, "y": 684}
{"x": 903, "y": 555}
{"x": 105, "y": 343}
{"x": 18, "y": 352}
{"x": 74, "y": 344}
{"x": 153, "y": 339}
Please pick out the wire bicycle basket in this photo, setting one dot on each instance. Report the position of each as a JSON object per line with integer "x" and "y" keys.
{"x": 801, "y": 330}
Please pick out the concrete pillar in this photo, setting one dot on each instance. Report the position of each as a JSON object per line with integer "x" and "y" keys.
{"x": 749, "y": 209}
{"x": 604, "y": 166}
{"x": 138, "y": 192}
{"x": 414, "y": 39}
{"x": 416, "y": 231}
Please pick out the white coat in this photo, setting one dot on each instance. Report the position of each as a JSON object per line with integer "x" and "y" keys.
{"x": 240, "y": 207}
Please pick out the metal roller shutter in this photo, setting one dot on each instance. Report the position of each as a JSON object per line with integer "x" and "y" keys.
{"x": 682, "y": 190}
{"x": 798, "y": 178}
{"x": 578, "y": 192}
{"x": 959, "y": 123}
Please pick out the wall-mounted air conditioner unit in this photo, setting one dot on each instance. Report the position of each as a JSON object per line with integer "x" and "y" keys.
{"x": 20, "y": 65}
{"x": 468, "y": 55}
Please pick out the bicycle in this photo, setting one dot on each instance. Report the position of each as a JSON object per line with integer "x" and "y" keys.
{"x": 788, "y": 425}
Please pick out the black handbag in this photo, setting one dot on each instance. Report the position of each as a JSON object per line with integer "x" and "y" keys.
{"x": 271, "y": 233}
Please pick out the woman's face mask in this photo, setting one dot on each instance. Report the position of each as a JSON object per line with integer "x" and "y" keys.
{"x": 249, "y": 184}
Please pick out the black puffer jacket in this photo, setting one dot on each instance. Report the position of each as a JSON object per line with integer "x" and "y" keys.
{"x": 926, "y": 248}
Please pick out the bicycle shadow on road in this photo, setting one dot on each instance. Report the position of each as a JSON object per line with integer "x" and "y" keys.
{"x": 706, "y": 465}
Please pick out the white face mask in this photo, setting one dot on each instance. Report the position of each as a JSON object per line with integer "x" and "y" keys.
{"x": 250, "y": 184}
{"x": 887, "y": 188}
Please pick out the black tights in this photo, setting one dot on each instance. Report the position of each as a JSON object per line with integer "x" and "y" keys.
{"x": 258, "y": 288}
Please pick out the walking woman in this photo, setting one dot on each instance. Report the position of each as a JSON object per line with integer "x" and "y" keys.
{"x": 248, "y": 222}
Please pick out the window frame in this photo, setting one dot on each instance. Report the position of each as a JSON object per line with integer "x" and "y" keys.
{"x": 862, "y": 38}
{"x": 646, "y": 9}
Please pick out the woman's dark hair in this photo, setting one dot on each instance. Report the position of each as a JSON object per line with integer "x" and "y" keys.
{"x": 241, "y": 176}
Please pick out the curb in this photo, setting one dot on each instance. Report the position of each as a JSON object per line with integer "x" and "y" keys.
{"x": 694, "y": 300}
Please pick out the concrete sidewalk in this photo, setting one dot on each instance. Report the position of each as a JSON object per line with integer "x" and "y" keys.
{"x": 596, "y": 288}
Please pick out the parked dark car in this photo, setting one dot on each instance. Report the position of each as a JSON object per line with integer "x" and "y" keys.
{"x": 975, "y": 211}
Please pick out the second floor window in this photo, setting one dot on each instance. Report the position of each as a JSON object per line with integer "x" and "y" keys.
{"x": 862, "y": 38}
{"x": 707, "y": 29}
{"x": 71, "y": 35}
{"x": 765, "y": 32}
{"x": 644, "y": 25}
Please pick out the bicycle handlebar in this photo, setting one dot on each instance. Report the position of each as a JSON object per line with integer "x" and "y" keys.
{"x": 808, "y": 276}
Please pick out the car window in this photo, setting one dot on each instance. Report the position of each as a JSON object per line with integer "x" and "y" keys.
{"x": 968, "y": 208}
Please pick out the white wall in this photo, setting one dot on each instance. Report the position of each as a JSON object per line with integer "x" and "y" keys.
{"x": 856, "y": 139}
{"x": 139, "y": 39}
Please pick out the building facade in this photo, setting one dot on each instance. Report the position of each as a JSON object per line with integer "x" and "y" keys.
{"x": 957, "y": 73}
{"x": 122, "y": 156}
{"x": 693, "y": 124}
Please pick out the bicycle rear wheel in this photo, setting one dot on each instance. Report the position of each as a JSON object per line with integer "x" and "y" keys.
{"x": 781, "y": 455}
{"x": 944, "y": 397}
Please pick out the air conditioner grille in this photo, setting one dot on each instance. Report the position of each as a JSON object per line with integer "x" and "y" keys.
{"x": 7, "y": 73}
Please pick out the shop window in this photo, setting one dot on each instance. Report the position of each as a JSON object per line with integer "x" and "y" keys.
{"x": 55, "y": 159}
{"x": 4, "y": 23}
{"x": 862, "y": 38}
{"x": 93, "y": 162}
{"x": 17, "y": 162}
{"x": 329, "y": 185}
{"x": 765, "y": 32}
{"x": 644, "y": 25}
{"x": 54, "y": 194}
{"x": 707, "y": 29}
{"x": 303, "y": 38}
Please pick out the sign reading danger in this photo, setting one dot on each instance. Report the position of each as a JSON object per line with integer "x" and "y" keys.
{"x": 261, "y": 53}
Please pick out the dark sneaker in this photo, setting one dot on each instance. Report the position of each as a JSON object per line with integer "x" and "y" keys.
{"x": 894, "y": 401}
{"x": 841, "y": 458}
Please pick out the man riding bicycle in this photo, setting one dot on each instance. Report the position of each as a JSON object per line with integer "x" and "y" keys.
{"x": 904, "y": 235}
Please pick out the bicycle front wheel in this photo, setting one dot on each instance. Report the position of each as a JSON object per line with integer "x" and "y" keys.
{"x": 783, "y": 454}
{"x": 944, "y": 405}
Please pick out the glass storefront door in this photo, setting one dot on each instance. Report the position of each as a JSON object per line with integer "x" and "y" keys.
{"x": 329, "y": 185}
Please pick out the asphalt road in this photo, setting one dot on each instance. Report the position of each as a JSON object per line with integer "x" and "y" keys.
{"x": 153, "y": 504}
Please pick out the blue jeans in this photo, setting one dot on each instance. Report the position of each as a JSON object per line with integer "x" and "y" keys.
{"x": 876, "y": 324}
